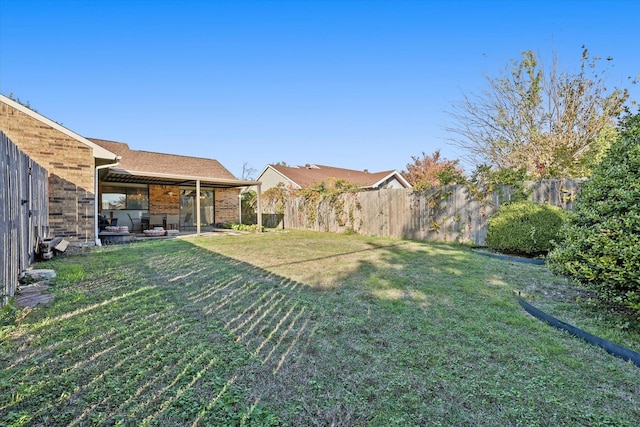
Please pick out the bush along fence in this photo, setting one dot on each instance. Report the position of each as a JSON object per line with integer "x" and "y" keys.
{"x": 456, "y": 213}
{"x": 24, "y": 213}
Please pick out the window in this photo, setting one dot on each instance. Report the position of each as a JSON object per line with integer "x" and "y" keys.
{"x": 117, "y": 197}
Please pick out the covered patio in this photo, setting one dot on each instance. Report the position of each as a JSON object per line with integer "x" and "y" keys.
{"x": 188, "y": 204}
{"x": 109, "y": 238}
{"x": 162, "y": 193}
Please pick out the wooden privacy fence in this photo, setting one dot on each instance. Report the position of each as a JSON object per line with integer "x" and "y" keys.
{"x": 24, "y": 213}
{"x": 445, "y": 214}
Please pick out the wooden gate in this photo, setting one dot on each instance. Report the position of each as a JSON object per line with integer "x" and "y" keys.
{"x": 24, "y": 213}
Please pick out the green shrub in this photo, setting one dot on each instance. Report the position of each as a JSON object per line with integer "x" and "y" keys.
{"x": 524, "y": 228}
{"x": 241, "y": 227}
{"x": 600, "y": 242}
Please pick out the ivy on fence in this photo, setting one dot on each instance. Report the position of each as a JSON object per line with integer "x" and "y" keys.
{"x": 448, "y": 213}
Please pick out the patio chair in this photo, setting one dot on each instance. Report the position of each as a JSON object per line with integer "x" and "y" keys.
{"x": 173, "y": 221}
{"x": 145, "y": 221}
{"x": 187, "y": 219}
{"x": 103, "y": 223}
{"x": 186, "y": 222}
{"x": 136, "y": 223}
{"x": 156, "y": 220}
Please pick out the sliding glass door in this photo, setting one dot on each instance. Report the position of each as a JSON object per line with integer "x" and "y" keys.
{"x": 188, "y": 207}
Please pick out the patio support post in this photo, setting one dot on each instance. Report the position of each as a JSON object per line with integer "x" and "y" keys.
{"x": 96, "y": 202}
{"x": 259, "y": 215}
{"x": 198, "y": 207}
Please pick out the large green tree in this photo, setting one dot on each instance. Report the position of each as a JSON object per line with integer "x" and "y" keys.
{"x": 552, "y": 124}
{"x": 600, "y": 246}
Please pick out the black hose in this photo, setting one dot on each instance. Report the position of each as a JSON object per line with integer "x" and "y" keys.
{"x": 608, "y": 346}
{"x": 536, "y": 261}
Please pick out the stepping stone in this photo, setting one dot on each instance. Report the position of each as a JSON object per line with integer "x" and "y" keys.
{"x": 39, "y": 274}
{"x": 32, "y": 295}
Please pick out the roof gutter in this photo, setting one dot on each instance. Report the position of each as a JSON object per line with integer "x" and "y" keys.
{"x": 95, "y": 196}
{"x": 171, "y": 176}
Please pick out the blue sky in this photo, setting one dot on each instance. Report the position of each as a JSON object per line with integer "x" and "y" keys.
{"x": 353, "y": 84}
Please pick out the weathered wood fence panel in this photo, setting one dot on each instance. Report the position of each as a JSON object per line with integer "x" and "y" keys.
{"x": 24, "y": 213}
{"x": 448, "y": 214}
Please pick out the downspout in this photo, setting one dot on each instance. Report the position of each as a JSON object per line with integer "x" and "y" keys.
{"x": 95, "y": 197}
{"x": 198, "y": 207}
{"x": 240, "y": 204}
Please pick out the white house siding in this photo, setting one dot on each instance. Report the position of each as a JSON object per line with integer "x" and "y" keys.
{"x": 271, "y": 178}
{"x": 393, "y": 184}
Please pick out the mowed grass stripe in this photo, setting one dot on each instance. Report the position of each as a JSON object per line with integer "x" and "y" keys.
{"x": 301, "y": 328}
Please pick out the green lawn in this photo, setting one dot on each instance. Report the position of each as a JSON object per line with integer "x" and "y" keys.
{"x": 300, "y": 328}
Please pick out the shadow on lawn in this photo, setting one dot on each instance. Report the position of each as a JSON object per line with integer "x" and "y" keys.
{"x": 170, "y": 333}
{"x": 373, "y": 247}
{"x": 162, "y": 345}
{"x": 412, "y": 331}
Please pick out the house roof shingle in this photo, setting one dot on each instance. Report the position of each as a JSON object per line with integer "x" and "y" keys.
{"x": 160, "y": 163}
{"x": 310, "y": 175}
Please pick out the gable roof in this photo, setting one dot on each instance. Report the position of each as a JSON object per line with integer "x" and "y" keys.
{"x": 99, "y": 152}
{"x": 161, "y": 168}
{"x": 309, "y": 175}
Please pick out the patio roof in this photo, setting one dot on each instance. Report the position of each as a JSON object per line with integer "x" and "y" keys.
{"x": 147, "y": 167}
{"x": 115, "y": 174}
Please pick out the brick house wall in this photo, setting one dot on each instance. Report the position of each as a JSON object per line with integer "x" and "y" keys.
{"x": 164, "y": 199}
{"x": 227, "y": 203}
{"x": 70, "y": 165}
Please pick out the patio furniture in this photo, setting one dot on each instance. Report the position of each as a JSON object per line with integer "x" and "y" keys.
{"x": 115, "y": 234}
{"x": 103, "y": 222}
{"x": 173, "y": 221}
{"x": 187, "y": 221}
{"x": 156, "y": 220}
{"x": 155, "y": 232}
{"x": 117, "y": 228}
{"x": 136, "y": 223}
{"x": 145, "y": 221}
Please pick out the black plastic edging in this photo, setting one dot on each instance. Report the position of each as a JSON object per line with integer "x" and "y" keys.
{"x": 536, "y": 261}
{"x": 608, "y": 346}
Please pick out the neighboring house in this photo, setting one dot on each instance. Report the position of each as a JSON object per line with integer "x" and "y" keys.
{"x": 308, "y": 176}
{"x": 151, "y": 183}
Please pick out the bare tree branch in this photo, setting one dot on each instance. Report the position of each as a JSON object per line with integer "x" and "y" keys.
{"x": 551, "y": 123}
